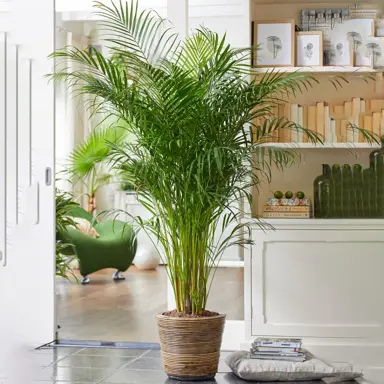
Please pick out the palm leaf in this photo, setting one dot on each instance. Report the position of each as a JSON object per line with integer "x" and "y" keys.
{"x": 94, "y": 150}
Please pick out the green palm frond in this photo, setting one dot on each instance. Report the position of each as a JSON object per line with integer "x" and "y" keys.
{"x": 94, "y": 150}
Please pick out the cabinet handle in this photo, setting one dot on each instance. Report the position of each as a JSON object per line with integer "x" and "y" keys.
{"x": 3, "y": 254}
{"x": 48, "y": 176}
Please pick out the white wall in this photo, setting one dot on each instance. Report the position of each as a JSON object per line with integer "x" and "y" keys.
{"x": 223, "y": 16}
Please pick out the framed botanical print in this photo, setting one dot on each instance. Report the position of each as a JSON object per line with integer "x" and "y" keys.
{"x": 340, "y": 53}
{"x": 274, "y": 43}
{"x": 309, "y": 49}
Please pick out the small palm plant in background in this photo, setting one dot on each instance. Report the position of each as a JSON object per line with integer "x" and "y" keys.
{"x": 200, "y": 118}
{"x": 64, "y": 206}
{"x": 88, "y": 162}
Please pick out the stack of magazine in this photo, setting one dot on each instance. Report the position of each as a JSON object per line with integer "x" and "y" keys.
{"x": 278, "y": 349}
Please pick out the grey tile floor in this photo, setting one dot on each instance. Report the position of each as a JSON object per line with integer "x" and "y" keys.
{"x": 70, "y": 365}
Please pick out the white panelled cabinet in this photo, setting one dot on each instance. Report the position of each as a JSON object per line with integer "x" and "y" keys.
{"x": 320, "y": 280}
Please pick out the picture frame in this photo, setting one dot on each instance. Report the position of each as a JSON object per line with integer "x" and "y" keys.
{"x": 274, "y": 43}
{"x": 340, "y": 54}
{"x": 373, "y": 52}
{"x": 309, "y": 49}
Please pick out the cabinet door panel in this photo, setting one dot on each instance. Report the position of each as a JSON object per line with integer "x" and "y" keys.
{"x": 318, "y": 283}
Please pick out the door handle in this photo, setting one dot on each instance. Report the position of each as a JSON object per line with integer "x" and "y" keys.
{"x": 48, "y": 176}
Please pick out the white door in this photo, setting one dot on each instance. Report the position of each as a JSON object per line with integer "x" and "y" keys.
{"x": 27, "y": 207}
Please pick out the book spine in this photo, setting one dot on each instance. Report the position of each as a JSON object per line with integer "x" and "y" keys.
{"x": 278, "y": 344}
{"x": 320, "y": 122}
{"x": 368, "y": 123}
{"x": 286, "y": 208}
{"x": 277, "y": 349}
{"x": 327, "y": 120}
{"x": 382, "y": 122}
{"x": 287, "y": 131}
{"x": 281, "y": 113}
{"x": 287, "y": 215}
{"x": 300, "y": 118}
{"x": 274, "y": 116}
{"x": 344, "y": 131}
{"x": 376, "y": 123}
{"x": 333, "y": 131}
{"x": 305, "y": 122}
{"x": 312, "y": 124}
{"x": 349, "y": 117}
{"x": 294, "y": 119}
{"x": 288, "y": 355}
{"x": 356, "y": 110}
{"x": 361, "y": 125}
{"x": 339, "y": 138}
{"x": 362, "y": 106}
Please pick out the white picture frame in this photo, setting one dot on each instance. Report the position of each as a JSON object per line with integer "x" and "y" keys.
{"x": 309, "y": 49}
{"x": 341, "y": 53}
{"x": 373, "y": 52}
{"x": 274, "y": 43}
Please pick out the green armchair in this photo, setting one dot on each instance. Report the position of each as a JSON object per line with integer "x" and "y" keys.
{"x": 115, "y": 248}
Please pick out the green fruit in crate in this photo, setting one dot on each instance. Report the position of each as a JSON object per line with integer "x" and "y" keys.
{"x": 288, "y": 195}
{"x": 300, "y": 195}
{"x": 278, "y": 195}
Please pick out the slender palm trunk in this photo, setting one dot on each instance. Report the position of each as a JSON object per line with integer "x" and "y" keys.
{"x": 91, "y": 203}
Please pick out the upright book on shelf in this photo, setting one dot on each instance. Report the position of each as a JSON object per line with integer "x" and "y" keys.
{"x": 320, "y": 121}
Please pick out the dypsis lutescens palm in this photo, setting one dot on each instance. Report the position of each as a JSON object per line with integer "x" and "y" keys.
{"x": 88, "y": 161}
{"x": 192, "y": 107}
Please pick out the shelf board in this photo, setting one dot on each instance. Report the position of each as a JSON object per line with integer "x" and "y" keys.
{"x": 325, "y": 145}
{"x": 315, "y": 222}
{"x": 313, "y": 3}
{"x": 325, "y": 69}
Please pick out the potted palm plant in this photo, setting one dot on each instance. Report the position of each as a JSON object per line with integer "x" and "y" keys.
{"x": 200, "y": 118}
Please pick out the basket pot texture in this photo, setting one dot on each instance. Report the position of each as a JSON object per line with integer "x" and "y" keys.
{"x": 190, "y": 347}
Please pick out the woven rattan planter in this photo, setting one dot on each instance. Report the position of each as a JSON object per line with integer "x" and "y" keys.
{"x": 190, "y": 346}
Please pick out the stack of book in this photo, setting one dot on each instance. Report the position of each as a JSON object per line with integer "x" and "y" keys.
{"x": 278, "y": 349}
{"x": 287, "y": 212}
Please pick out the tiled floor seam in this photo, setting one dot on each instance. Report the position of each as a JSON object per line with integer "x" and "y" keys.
{"x": 62, "y": 358}
{"x": 123, "y": 366}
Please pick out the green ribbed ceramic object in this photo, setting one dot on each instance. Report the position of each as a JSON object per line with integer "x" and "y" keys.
{"x": 336, "y": 192}
{"x": 369, "y": 193}
{"x": 322, "y": 193}
{"x": 347, "y": 186}
{"x": 357, "y": 172}
{"x": 376, "y": 161}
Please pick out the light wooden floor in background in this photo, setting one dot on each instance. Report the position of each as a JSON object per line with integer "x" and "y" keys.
{"x": 125, "y": 311}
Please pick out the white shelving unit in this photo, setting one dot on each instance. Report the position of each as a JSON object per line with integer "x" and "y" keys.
{"x": 315, "y": 278}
